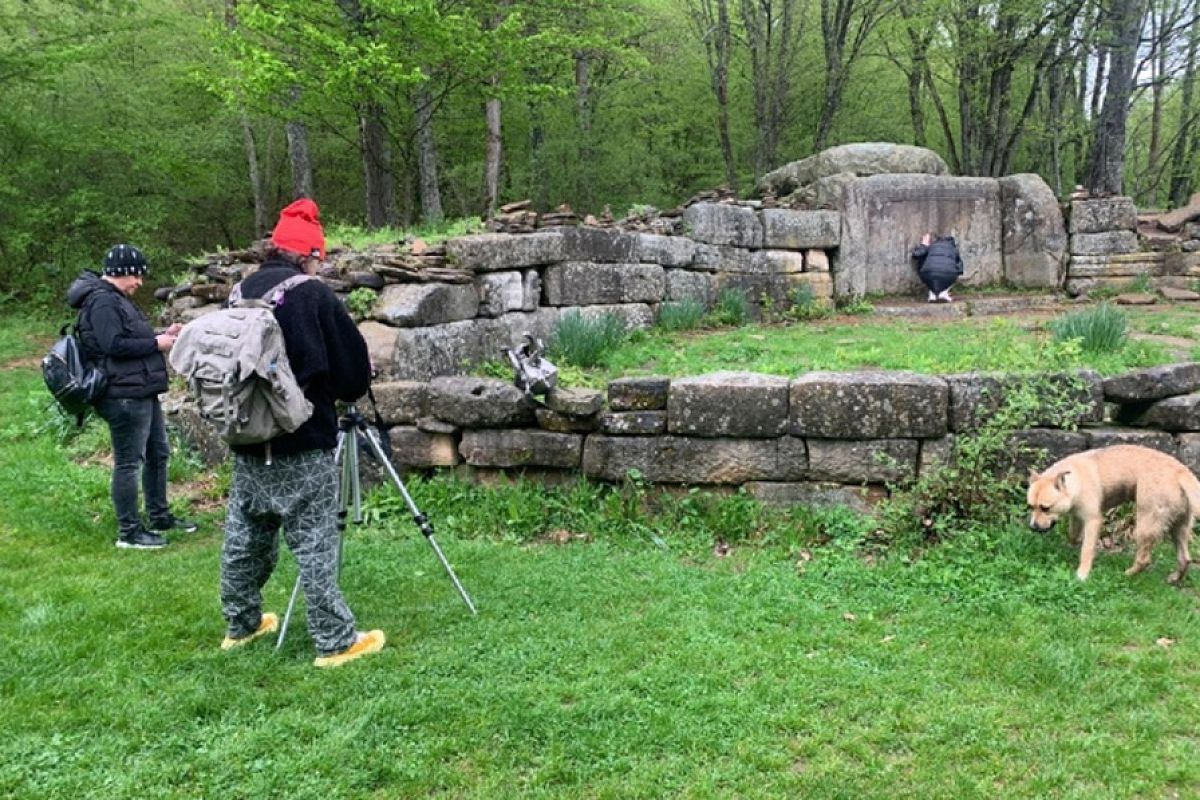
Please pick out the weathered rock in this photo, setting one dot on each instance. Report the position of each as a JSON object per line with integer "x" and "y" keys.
{"x": 885, "y": 216}
{"x": 815, "y": 494}
{"x": 412, "y": 305}
{"x": 976, "y": 398}
{"x": 1136, "y": 299}
{"x": 415, "y": 448}
{"x": 633, "y": 423}
{"x": 1038, "y": 448}
{"x": 423, "y": 353}
{"x": 1186, "y": 264}
{"x": 861, "y": 158}
{"x": 723, "y": 258}
{"x": 784, "y": 229}
{"x": 210, "y": 292}
{"x": 1103, "y": 214}
{"x": 780, "y": 292}
{"x": 575, "y": 283}
{"x": 1120, "y": 265}
{"x": 484, "y": 252}
{"x": 501, "y": 292}
{"x": 1107, "y": 243}
{"x": 816, "y": 261}
{"x": 1189, "y": 451}
{"x": 722, "y": 223}
{"x": 1179, "y": 413}
{"x": 861, "y": 461}
{"x": 1178, "y": 295}
{"x": 598, "y": 244}
{"x": 864, "y": 405}
{"x": 182, "y": 415}
{"x": 633, "y": 316}
{"x": 684, "y": 284}
{"x": 935, "y": 454}
{"x": 1153, "y": 383}
{"x": 669, "y": 251}
{"x": 728, "y": 404}
{"x": 639, "y": 394}
{"x": 1034, "y": 240}
{"x": 471, "y": 402}
{"x": 680, "y": 459}
{"x": 1107, "y": 437}
{"x": 401, "y": 402}
{"x": 575, "y": 402}
{"x": 365, "y": 279}
{"x": 430, "y": 424}
{"x": 777, "y": 262}
{"x": 521, "y": 448}
{"x": 1175, "y": 219}
{"x": 549, "y": 420}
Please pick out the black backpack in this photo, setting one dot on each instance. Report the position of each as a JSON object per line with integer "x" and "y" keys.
{"x": 75, "y": 383}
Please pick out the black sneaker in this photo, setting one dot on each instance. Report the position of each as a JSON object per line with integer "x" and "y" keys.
{"x": 174, "y": 523}
{"x": 141, "y": 539}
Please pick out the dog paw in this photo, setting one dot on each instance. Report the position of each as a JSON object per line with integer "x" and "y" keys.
{"x": 1081, "y": 574}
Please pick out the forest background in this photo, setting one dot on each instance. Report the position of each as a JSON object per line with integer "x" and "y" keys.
{"x": 183, "y": 126}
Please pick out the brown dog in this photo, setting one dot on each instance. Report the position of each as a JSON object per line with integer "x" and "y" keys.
{"x": 1166, "y": 494}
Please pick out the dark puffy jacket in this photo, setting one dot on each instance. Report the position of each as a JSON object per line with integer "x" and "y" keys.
{"x": 941, "y": 257}
{"x": 117, "y": 338}
{"x": 327, "y": 354}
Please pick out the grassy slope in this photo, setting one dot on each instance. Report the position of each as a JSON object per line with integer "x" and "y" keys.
{"x": 601, "y": 669}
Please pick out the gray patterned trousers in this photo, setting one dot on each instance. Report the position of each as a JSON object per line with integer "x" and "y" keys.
{"x": 297, "y": 493}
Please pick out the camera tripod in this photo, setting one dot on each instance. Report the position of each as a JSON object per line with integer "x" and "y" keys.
{"x": 351, "y": 425}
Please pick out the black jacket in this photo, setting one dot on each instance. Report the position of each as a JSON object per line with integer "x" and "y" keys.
{"x": 941, "y": 257}
{"x": 327, "y": 354}
{"x": 116, "y": 337}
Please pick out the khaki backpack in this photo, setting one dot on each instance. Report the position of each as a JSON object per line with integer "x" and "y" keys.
{"x": 237, "y": 370}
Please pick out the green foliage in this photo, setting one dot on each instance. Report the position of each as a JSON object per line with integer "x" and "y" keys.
{"x": 585, "y": 341}
{"x": 853, "y": 305}
{"x": 731, "y": 308}
{"x": 1099, "y": 329}
{"x": 360, "y": 302}
{"x": 681, "y": 315}
{"x": 805, "y": 306}
{"x": 1141, "y": 284}
{"x": 357, "y": 237}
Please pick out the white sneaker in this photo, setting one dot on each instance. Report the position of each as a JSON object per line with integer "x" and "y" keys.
{"x": 945, "y": 297}
{"x": 933, "y": 298}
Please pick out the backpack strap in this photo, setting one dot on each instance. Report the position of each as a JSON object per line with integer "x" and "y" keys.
{"x": 274, "y": 295}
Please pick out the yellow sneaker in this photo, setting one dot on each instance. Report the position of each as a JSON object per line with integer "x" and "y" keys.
{"x": 268, "y": 625}
{"x": 365, "y": 644}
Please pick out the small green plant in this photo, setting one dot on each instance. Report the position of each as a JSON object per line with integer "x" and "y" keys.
{"x": 681, "y": 315}
{"x": 1142, "y": 284}
{"x": 1100, "y": 329}
{"x": 855, "y": 304}
{"x": 360, "y": 301}
{"x": 1103, "y": 292}
{"x": 586, "y": 341}
{"x": 731, "y": 308}
{"x": 805, "y": 305}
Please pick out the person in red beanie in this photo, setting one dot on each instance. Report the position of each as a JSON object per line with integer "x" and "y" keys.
{"x": 294, "y": 490}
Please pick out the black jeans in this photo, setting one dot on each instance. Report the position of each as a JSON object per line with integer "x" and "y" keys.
{"x": 139, "y": 439}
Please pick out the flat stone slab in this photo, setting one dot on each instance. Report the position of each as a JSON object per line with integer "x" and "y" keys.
{"x": 728, "y": 404}
{"x": 1181, "y": 413}
{"x": 638, "y": 394}
{"x": 471, "y": 402}
{"x": 521, "y": 448}
{"x": 1153, "y": 383}
{"x": 867, "y": 405}
{"x": 862, "y": 461}
{"x": 484, "y": 252}
{"x": 683, "y": 459}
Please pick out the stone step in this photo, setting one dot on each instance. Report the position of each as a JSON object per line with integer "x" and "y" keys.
{"x": 967, "y": 305}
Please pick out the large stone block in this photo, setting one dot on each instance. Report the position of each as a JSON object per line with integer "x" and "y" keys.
{"x": 608, "y": 245}
{"x": 885, "y": 216}
{"x": 633, "y": 423}
{"x": 578, "y": 283}
{"x": 521, "y": 448}
{"x": 680, "y": 459}
{"x": 1179, "y": 413}
{"x": 1189, "y": 451}
{"x": 865, "y": 405}
{"x": 684, "y": 284}
{"x": 1153, "y": 383}
{"x": 1186, "y": 264}
{"x": 669, "y": 251}
{"x": 401, "y": 402}
{"x": 1038, "y": 448}
{"x": 858, "y": 158}
{"x": 779, "y": 292}
{"x": 414, "y": 305}
{"x": 977, "y": 397}
{"x": 1103, "y": 214}
{"x": 722, "y": 223}
{"x": 381, "y": 345}
{"x": 647, "y": 393}
{"x": 1107, "y": 437}
{"x": 418, "y": 449}
{"x": 470, "y": 402}
{"x": 633, "y": 316}
{"x": 723, "y": 258}
{"x": 1100, "y": 244}
{"x": 1033, "y": 237}
{"x": 510, "y": 329}
{"x": 862, "y": 461}
{"x": 422, "y": 353}
{"x": 785, "y": 229}
{"x": 501, "y": 292}
{"x": 777, "y": 262}
{"x": 483, "y": 252}
{"x": 740, "y": 405}
{"x": 1124, "y": 265}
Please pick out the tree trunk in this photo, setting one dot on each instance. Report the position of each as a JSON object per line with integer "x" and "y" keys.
{"x": 427, "y": 160}
{"x": 585, "y": 152}
{"x": 378, "y": 185}
{"x": 1187, "y": 141}
{"x": 771, "y": 41}
{"x": 493, "y": 152}
{"x": 255, "y": 176}
{"x": 1106, "y": 161}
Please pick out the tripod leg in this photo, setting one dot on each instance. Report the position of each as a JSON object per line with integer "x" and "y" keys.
{"x": 418, "y": 517}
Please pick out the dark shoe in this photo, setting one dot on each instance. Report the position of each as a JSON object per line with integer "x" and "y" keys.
{"x": 173, "y": 523}
{"x": 141, "y": 539}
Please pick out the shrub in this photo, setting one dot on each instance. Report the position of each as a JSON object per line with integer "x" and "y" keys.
{"x": 1141, "y": 284}
{"x": 360, "y": 301}
{"x": 1100, "y": 329}
{"x": 731, "y": 308}
{"x": 805, "y": 305}
{"x": 682, "y": 315}
{"x": 585, "y": 341}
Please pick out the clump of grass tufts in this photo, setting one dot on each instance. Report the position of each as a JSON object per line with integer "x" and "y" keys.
{"x": 1100, "y": 329}
{"x": 681, "y": 315}
{"x": 586, "y": 341}
{"x": 731, "y": 308}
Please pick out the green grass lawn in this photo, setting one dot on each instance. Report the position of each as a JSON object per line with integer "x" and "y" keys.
{"x": 600, "y": 664}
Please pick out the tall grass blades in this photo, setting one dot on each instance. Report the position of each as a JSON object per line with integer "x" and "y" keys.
{"x": 1100, "y": 329}
{"x": 731, "y": 308}
{"x": 681, "y": 315}
{"x": 586, "y": 341}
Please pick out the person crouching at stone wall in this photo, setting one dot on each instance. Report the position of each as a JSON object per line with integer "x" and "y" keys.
{"x": 939, "y": 266}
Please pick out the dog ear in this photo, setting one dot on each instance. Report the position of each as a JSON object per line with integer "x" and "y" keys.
{"x": 1033, "y": 474}
{"x": 1060, "y": 481}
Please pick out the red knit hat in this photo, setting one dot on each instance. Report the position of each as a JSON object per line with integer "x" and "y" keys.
{"x": 299, "y": 229}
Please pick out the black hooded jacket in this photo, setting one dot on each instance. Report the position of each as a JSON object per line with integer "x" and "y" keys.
{"x": 327, "y": 354}
{"x": 116, "y": 337}
{"x": 940, "y": 257}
